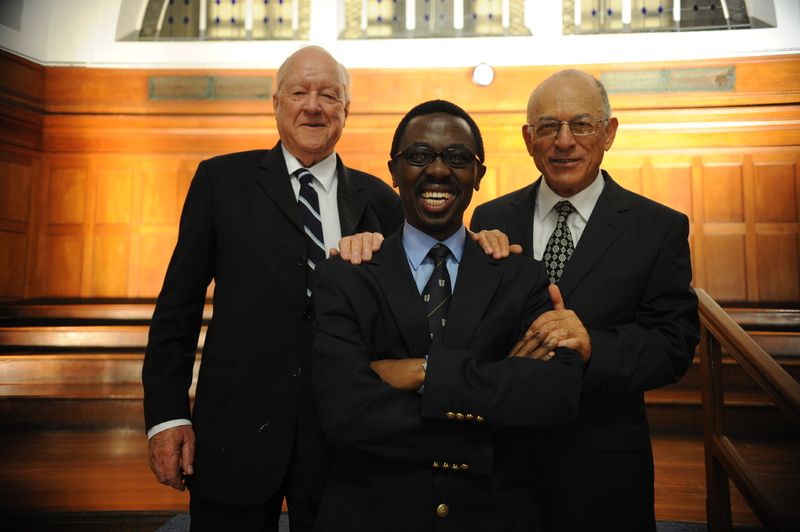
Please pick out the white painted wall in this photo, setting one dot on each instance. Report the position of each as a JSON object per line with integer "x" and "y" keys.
{"x": 85, "y": 32}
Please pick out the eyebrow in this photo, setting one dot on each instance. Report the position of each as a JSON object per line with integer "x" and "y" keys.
{"x": 554, "y": 119}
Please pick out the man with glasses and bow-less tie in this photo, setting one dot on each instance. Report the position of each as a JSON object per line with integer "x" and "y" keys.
{"x": 620, "y": 268}
{"x": 430, "y": 419}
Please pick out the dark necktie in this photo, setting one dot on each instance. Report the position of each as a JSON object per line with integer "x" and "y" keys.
{"x": 436, "y": 293}
{"x": 560, "y": 247}
{"x": 312, "y": 222}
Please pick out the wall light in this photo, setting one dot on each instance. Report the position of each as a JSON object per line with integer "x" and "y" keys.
{"x": 482, "y": 75}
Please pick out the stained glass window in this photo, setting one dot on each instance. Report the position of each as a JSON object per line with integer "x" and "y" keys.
{"x": 433, "y": 18}
{"x": 622, "y": 16}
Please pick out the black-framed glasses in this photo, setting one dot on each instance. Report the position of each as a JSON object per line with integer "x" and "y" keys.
{"x": 580, "y": 127}
{"x": 452, "y": 157}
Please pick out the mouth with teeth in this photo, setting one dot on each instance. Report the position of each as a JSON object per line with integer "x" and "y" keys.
{"x": 436, "y": 199}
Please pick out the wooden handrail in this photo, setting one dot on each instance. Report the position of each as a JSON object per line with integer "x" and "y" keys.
{"x": 723, "y": 462}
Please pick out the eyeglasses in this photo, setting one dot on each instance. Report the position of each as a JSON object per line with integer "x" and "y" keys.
{"x": 452, "y": 157}
{"x": 580, "y": 127}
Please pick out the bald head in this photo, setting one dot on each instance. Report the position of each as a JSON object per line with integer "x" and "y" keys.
{"x": 573, "y": 76}
{"x": 315, "y": 53}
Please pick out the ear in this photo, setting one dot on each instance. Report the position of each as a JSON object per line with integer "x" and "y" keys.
{"x": 275, "y": 101}
{"x": 611, "y": 132}
{"x": 528, "y": 137}
{"x": 391, "y": 171}
{"x": 480, "y": 171}
{"x": 346, "y": 109}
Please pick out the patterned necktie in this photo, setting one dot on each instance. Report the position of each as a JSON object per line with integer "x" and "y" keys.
{"x": 559, "y": 248}
{"x": 312, "y": 223}
{"x": 436, "y": 293}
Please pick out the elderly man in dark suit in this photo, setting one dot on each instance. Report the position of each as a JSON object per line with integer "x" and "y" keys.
{"x": 254, "y": 436}
{"x": 427, "y": 413}
{"x": 621, "y": 263}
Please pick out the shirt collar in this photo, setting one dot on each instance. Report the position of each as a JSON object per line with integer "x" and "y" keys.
{"x": 584, "y": 201}
{"x": 417, "y": 244}
{"x": 323, "y": 171}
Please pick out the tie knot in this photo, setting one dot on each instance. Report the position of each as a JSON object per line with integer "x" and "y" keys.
{"x": 564, "y": 207}
{"x": 439, "y": 251}
{"x": 303, "y": 175}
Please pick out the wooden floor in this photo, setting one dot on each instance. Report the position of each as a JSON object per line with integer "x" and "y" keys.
{"x": 106, "y": 471}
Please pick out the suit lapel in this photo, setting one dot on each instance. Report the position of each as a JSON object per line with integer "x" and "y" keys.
{"x": 390, "y": 268}
{"x": 274, "y": 179}
{"x": 604, "y": 226}
{"x": 350, "y": 200}
{"x": 476, "y": 285}
{"x": 519, "y": 219}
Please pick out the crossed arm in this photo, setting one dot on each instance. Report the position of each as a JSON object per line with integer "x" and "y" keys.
{"x": 172, "y": 451}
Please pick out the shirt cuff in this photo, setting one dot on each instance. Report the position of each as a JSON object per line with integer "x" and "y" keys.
{"x": 161, "y": 427}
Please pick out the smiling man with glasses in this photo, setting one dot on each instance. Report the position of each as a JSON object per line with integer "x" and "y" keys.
{"x": 431, "y": 308}
{"x": 620, "y": 270}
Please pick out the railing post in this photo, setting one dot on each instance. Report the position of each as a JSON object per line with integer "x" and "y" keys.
{"x": 718, "y": 495}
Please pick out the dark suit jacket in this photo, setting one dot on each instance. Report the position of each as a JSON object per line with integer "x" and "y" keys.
{"x": 241, "y": 227}
{"x": 401, "y": 454}
{"x": 628, "y": 282}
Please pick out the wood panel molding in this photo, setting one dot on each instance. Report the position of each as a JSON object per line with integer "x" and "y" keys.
{"x": 93, "y": 172}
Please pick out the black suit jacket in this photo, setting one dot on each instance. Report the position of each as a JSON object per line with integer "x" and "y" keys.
{"x": 401, "y": 454}
{"x": 628, "y": 282}
{"x": 241, "y": 228}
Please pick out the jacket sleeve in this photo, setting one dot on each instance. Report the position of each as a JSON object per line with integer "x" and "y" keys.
{"x": 656, "y": 346}
{"x": 482, "y": 383}
{"x": 361, "y": 413}
{"x": 175, "y": 326}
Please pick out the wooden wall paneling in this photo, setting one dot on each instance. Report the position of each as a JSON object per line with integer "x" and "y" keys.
{"x": 723, "y": 255}
{"x": 66, "y": 216}
{"x": 62, "y": 270}
{"x": 776, "y": 223}
{"x": 668, "y": 180}
{"x": 777, "y": 255}
{"x": 164, "y": 184}
{"x": 722, "y": 242}
{"x": 111, "y": 254}
{"x": 13, "y": 264}
{"x": 16, "y": 182}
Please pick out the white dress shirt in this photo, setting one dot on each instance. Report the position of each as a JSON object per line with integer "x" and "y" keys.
{"x": 545, "y": 216}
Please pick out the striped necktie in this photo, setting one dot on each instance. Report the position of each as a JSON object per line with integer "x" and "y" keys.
{"x": 437, "y": 292}
{"x": 312, "y": 223}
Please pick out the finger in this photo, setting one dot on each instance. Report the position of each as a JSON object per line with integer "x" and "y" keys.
{"x": 377, "y": 241}
{"x": 555, "y": 297}
{"x": 355, "y": 249}
{"x": 515, "y": 248}
{"x": 481, "y": 239}
{"x": 367, "y": 242}
{"x": 187, "y": 458}
{"x": 344, "y": 247}
{"x": 500, "y": 245}
{"x": 526, "y": 347}
{"x": 333, "y": 252}
{"x": 545, "y": 351}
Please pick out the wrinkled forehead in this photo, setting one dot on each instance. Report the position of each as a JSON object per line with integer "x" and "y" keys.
{"x": 318, "y": 71}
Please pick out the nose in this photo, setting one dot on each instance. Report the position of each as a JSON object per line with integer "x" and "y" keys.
{"x": 437, "y": 167}
{"x": 311, "y": 103}
{"x": 564, "y": 138}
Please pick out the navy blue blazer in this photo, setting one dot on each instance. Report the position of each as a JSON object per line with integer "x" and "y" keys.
{"x": 399, "y": 454}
